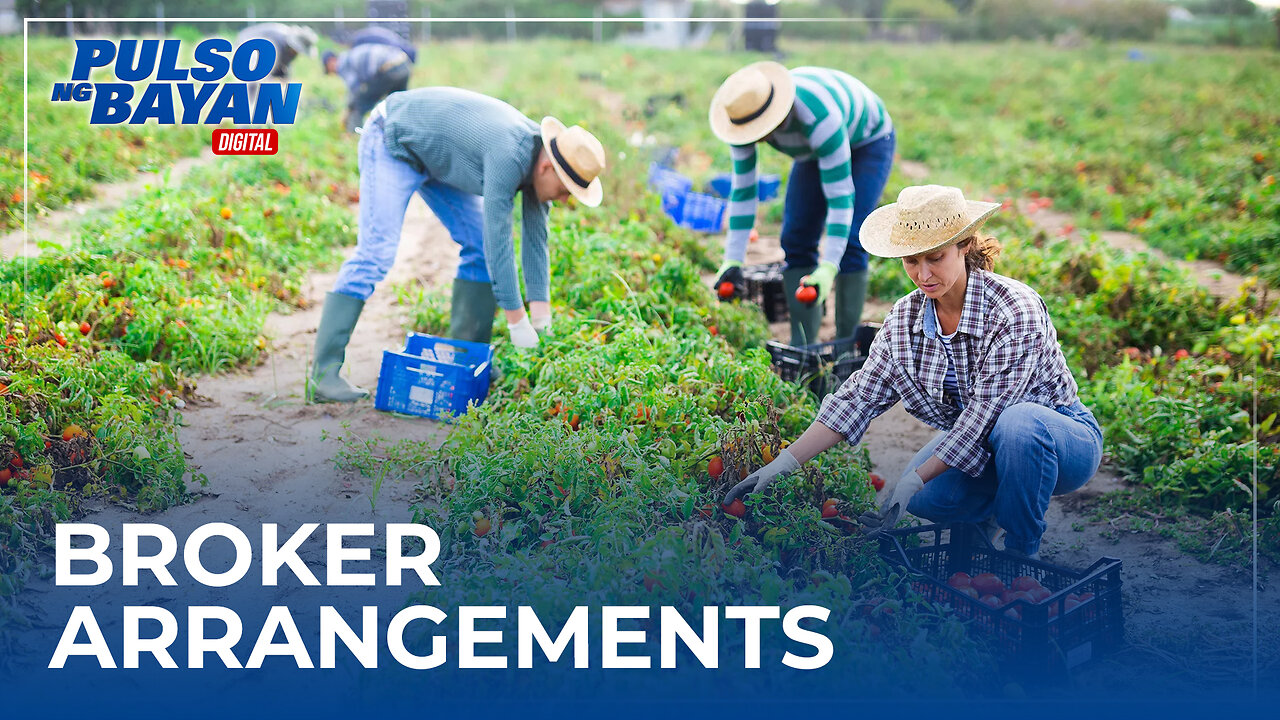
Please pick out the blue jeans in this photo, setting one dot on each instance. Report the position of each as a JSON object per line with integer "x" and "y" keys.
{"x": 804, "y": 214}
{"x": 1037, "y": 452}
{"x": 386, "y": 184}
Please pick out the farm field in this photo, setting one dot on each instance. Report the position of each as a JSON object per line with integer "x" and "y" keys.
{"x": 197, "y": 296}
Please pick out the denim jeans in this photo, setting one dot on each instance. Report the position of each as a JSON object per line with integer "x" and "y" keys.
{"x": 386, "y": 184}
{"x": 1037, "y": 452}
{"x": 804, "y": 214}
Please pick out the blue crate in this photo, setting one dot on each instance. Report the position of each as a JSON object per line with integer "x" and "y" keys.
{"x": 672, "y": 187}
{"x": 702, "y": 212}
{"x": 434, "y": 377}
{"x": 766, "y": 186}
{"x": 665, "y": 180}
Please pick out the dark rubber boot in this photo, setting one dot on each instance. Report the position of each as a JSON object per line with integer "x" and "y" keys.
{"x": 471, "y": 311}
{"x": 805, "y": 319}
{"x": 337, "y": 320}
{"x": 851, "y": 295}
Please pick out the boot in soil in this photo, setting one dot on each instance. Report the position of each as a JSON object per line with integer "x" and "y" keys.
{"x": 471, "y": 311}
{"x": 337, "y": 320}
{"x": 805, "y": 319}
{"x": 851, "y": 295}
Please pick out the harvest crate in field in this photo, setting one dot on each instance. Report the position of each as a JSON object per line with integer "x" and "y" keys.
{"x": 1074, "y": 616}
{"x": 434, "y": 377}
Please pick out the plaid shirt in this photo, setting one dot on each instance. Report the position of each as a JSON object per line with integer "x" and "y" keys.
{"x": 1006, "y": 352}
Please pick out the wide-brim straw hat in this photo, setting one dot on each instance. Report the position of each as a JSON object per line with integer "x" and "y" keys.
{"x": 752, "y": 103}
{"x": 925, "y": 218}
{"x": 578, "y": 158}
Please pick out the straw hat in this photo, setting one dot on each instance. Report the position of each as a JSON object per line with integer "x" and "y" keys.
{"x": 752, "y": 103}
{"x": 578, "y": 158}
{"x": 925, "y": 218}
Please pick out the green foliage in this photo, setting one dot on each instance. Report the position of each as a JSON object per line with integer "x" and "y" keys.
{"x": 101, "y": 333}
{"x": 920, "y": 10}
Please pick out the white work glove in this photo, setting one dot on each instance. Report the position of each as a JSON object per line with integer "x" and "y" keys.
{"x": 760, "y": 480}
{"x": 540, "y": 316}
{"x": 522, "y": 333}
{"x": 895, "y": 506}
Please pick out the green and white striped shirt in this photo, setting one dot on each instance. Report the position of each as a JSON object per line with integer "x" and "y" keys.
{"x": 833, "y": 113}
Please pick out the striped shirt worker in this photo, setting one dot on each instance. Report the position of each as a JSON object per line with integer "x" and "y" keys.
{"x": 833, "y": 114}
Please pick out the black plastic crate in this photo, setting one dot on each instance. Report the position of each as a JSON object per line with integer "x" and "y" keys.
{"x": 1039, "y": 640}
{"x": 823, "y": 366}
{"x": 764, "y": 287}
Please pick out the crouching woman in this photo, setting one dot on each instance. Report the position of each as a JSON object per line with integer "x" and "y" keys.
{"x": 973, "y": 354}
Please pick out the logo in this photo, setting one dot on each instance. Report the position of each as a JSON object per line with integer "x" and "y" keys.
{"x": 222, "y": 85}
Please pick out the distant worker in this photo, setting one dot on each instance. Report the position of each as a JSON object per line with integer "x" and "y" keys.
{"x": 290, "y": 41}
{"x": 378, "y": 35}
{"x": 468, "y": 156}
{"x": 841, "y": 140}
{"x": 371, "y": 72}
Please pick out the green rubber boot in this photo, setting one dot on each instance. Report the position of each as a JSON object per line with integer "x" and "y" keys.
{"x": 471, "y": 311}
{"x": 337, "y": 320}
{"x": 851, "y": 295}
{"x": 805, "y": 319}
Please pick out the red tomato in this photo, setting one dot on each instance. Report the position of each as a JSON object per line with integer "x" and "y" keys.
{"x": 960, "y": 580}
{"x": 482, "y": 527}
{"x": 989, "y": 600}
{"x": 725, "y": 291}
{"x": 807, "y": 294}
{"x": 1014, "y": 613}
{"x": 715, "y": 468}
{"x": 737, "y": 508}
{"x": 829, "y": 511}
{"x": 16, "y": 462}
{"x": 85, "y": 328}
{"x": 1016, "y": 595}
{"x": 1040, "y": 594}
{"x": 1085, "y": 597}
{"x": 877, "y": 482}
{"x": 1071, "y": 604}
{"x": 987, "y": 584}
{"x": 1025, "y": 582}
{"x": 968, "y": 590}
{"x": 713, "y": 330}
{"x": 5, "y": 474}
{"x": 72, "y": 431}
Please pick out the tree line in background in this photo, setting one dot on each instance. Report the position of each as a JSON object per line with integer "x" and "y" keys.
{"x": 1231, "y": 22}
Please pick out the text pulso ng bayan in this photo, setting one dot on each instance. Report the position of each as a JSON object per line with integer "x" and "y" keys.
{"x": 199, "y": 91}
